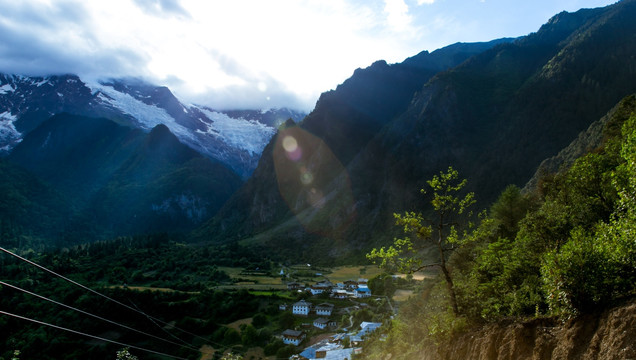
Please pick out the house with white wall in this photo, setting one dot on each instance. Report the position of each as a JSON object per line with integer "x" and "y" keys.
{"x": 302, "y": 307}
{"x": 324, "y": 309}
{"x": 293, "y": 337}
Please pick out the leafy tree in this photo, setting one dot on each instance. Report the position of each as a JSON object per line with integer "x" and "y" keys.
{"x": 232, "y": 356}
{"x": 598, "y": 263}
{"x": 259, "y": 320}
{"x": 124, "y": 354}
{"x": 273, "y": 346}
{"x": 382, "y": 284}
{"x": 406, "y": 254}
{"x": 249, "y": 336}
{"x": 286, "y": 320}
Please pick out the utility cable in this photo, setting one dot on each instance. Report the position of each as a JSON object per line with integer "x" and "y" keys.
{"x": 97, "y": 293}
{"x": 89, "y": 335}
{"x": 154, "y": 321}
{"x": 157, "y": 325}
{"x": 96, "y": 316}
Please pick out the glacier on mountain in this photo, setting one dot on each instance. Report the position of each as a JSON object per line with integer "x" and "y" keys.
{"x": 249, "y": 135}
{"x": 148, "y": 116}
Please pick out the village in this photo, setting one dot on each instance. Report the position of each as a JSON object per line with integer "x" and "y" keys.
{"x": 321, "y": 316}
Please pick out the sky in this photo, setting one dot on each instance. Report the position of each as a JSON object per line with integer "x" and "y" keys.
{"x": 249, "y": 54}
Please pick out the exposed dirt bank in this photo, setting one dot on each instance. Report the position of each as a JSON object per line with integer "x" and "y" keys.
{"x": 607, "y": 335}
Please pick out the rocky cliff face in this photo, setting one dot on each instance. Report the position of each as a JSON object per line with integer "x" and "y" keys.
{"x": 606, "y": 335}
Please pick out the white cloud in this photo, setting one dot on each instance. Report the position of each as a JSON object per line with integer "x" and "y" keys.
{"x": 398, "y": 17}
{"x": 243, "y": 52}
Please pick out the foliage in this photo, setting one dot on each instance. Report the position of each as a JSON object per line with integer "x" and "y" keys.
{"x": 405, "y": 254}
{"x": 566, "y": 249}
{"x": 598, "y": 265}
{"x": 382, "y": 284}
{"x": 124, "y": 354}
{"x": 171, "y": 281}
{"x": 232, "y": 356}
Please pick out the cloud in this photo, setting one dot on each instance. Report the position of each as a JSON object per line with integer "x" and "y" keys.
{"x": 232, "y": 53}
{"x": 163, "y": 7}
{"x": 398, "y": 17}
{"x": 38, "y": 39}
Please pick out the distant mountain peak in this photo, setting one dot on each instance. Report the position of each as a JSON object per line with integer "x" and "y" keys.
{"x": 236, "y": 137}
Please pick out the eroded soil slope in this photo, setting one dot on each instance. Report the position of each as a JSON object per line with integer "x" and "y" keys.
{"x": 607, "y": 335}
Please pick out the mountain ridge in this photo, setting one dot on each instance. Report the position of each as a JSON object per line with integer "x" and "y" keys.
{"x": 494, "y": 117}
{"x": 237, "y": 141}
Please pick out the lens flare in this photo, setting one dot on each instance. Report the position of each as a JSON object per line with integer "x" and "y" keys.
{"x": 290, "y": 144}
{"x": 306, "y": 177}
{"x": 292, "y": 150}
{"x": 313, "y": 182}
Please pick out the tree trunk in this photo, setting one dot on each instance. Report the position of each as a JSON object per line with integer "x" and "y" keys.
{"x": 451, "y": 288}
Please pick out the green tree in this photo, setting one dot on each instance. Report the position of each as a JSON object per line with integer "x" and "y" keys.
{"x": 259, "y": 320}
{"x": 249, "y": 336}
{"x": 124, "y": 354}
{"x": 232, "y": 356}
{"x": 286, "y": 320}
{"x": 406, "y": 254}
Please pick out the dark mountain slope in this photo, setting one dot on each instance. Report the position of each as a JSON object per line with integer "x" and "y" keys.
{"x": 494, "y": 117}
{"x": 345, "y": 120}
{"x": 30, "y": 210}
{"x": 122, "y": 180}
{"x": 348, "y": 117}
{"x": 164, "y": 186}
{"x": 497, "y": 116}
{"x": 76, "y": 154}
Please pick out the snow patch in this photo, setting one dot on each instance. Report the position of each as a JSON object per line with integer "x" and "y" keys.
{"x": 6, "y": 88}
{"x": 9, "y": 135}
{"x": 148, "y": 116}
{"x": 249, "y": 135}
{"x": 40, "y": 83}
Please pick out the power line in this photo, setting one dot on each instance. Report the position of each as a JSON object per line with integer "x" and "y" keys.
{"x": 95, "y": 316}
{"x": 88, "y": 335}
{"x": 113, "y": 300}
{"x": 98, "y": 293}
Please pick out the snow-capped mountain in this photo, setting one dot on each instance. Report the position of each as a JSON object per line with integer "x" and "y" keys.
{"x": 235, "y": 138}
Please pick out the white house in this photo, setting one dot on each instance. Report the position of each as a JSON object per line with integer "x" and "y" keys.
{"x": 302, "y": 308}
{"x": 324, "y": 309}
{"x": 367, "y": 328}
{"x": 321, "y": 323}
{"x": 320, "y": 287}
{"x": 293, "y": 337}
{"x": 362, "y": 292}
{"x": 316, "y": 290}
{"x": 339, "y": 293}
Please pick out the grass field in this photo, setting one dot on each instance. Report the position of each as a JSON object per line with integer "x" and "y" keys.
{"x": 402, "y": 295}
{"x": 235, "y": 273}
{"x": 342, "y": 273}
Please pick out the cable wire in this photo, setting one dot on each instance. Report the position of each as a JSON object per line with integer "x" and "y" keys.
{"x": 98, "y": 293}
{"x": 96, "y": 316}
{"x": 89, "y": 335}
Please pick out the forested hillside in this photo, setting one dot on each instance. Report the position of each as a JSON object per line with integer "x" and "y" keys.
{"x": 76, "y": 179}
{"x": 565, "y": 249}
